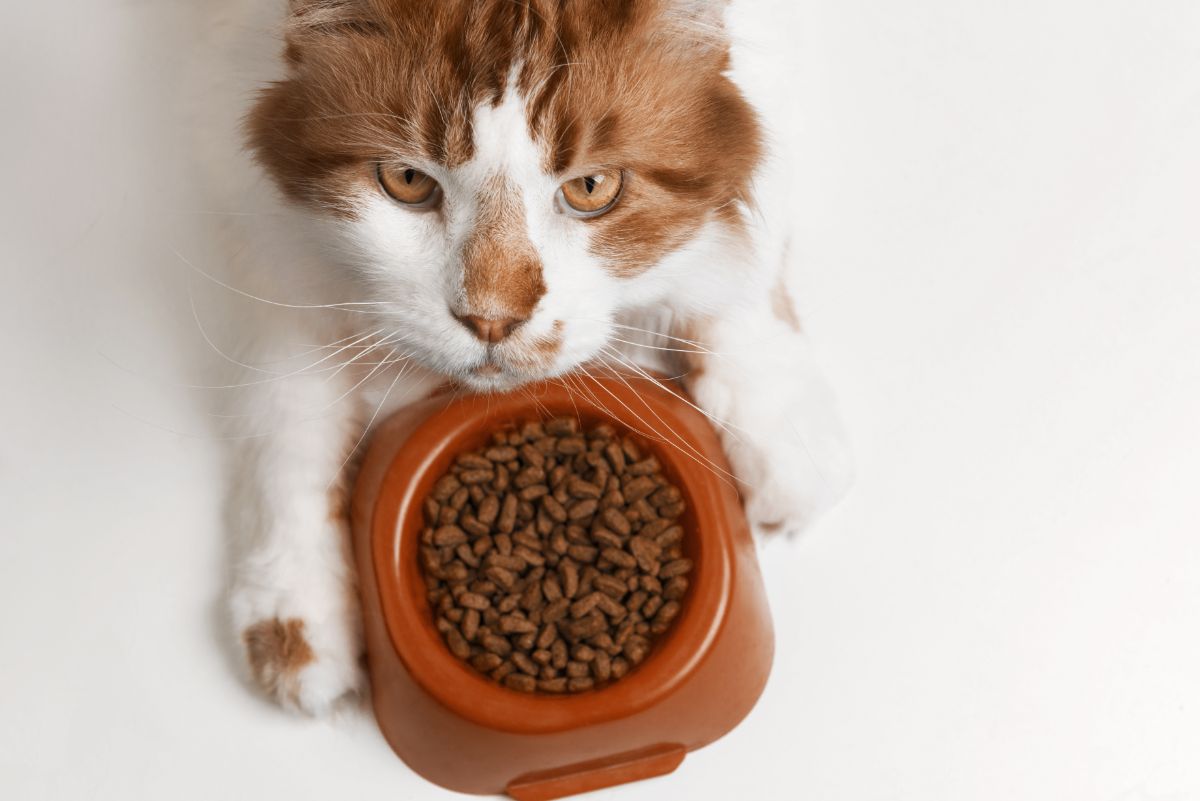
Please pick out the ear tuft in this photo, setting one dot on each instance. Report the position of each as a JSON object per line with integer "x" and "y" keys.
{"x": 697, "y": 21}
{"x": 308, "y": 17}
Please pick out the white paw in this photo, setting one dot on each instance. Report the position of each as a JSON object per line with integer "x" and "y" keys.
{"x": 790, "y": 473}
{"x": 785, "y": 441}
{"x": 301, "y": 648}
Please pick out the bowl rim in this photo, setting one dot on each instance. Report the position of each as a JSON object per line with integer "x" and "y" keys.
{"x": 433, "y": 443}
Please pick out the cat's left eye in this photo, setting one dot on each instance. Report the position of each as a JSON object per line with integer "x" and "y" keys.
{"x": 408, "y": 186}
{"x": 591, "y": 195}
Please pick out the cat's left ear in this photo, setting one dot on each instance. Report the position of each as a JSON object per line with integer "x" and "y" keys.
{"x": 312, "y": 21}
{"x": 712, "y": 11}
{"x": 329, "y": 14}
{"x": 698, "y": 20}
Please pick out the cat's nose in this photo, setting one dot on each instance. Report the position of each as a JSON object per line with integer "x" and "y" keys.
{"x": 489, "y": 329}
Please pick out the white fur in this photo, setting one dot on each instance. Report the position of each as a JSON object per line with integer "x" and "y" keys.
{"x": 299, "y": 422}
{"x": 412, "y": 259}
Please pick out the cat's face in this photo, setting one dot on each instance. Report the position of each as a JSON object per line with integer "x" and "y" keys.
{"x": 502, "y": 177}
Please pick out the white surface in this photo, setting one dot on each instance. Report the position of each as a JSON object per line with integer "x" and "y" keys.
{"x": 1003, "y": 276}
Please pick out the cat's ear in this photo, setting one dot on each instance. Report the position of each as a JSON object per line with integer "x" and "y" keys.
{"x": 699, "y": 21}
{"x": 701, "y": 12}
{"x": 312, "y": 23}
{"x": 331, "y": 17}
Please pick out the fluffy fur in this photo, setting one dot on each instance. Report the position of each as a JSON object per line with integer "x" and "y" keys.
{"x": 354, "y": 302}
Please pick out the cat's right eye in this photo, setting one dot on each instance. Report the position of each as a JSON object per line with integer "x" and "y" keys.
{"x": 408, "y": 186}
{"x": 591, "y": 195}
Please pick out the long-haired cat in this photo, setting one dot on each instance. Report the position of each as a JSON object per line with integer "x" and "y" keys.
{"x": 489, "y": 192}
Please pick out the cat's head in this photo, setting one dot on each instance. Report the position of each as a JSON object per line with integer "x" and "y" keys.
{"x": 502, "y": 177}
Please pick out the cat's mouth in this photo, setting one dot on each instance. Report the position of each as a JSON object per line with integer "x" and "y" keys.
{"x": 494, "y": 373}
{"x": 488, "y": 369}
{"x": 511, "y": 364}
{"x": 490, "y": 374}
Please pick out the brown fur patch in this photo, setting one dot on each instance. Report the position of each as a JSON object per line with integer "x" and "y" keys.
{"x": 277, "y": 651}
{"x": 539, "y": 354}
{"x": 502, "y": 274}
{"x": 339, "y": 501}
{"x": 691, "y": 359}
{"x": 608, "y": 84}
{"x": 782, "y": 306}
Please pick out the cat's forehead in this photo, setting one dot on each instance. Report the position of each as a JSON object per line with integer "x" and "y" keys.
{"x": 502, "y": 142}
{"x": 634, "y": 85}
{"x": 592, "y": 74}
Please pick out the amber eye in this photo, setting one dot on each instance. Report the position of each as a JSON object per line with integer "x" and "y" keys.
{"x": 591, "y": 195}
{"x": 408, "y": 186}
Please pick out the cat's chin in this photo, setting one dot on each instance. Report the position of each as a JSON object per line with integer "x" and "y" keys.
{"x": 490, "y": 384}
{"x": 495, "y": 379}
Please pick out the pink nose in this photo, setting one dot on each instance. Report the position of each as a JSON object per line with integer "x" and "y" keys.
{"x": 490, "y": 329}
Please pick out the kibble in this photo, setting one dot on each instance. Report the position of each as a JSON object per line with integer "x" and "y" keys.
{"x": 553, "y": 556}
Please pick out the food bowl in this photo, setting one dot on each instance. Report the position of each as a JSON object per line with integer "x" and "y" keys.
{"x": 458, "y": 728}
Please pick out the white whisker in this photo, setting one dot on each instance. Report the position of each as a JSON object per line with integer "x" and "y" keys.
{"x": 724, "y": 425}
{"x": 345, "y": 306}
{"x": 367, "y": 428}
{"x": 698, "y": 345}
{"x": 388, "y": 340}
{"x": 657, "y": 347}
{"x": 364, "y": 379}
{"x": 695, "y": 454}
{"x": 241, "y": 385}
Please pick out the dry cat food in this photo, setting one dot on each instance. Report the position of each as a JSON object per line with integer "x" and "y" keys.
{"x": 553, "y": 556}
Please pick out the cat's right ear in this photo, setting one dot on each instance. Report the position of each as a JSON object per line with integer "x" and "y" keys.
{"x": 312, "y": 22}
{"x": 696, "y": 22}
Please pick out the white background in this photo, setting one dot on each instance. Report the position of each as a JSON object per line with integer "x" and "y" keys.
{"x": 1001, "y": 240}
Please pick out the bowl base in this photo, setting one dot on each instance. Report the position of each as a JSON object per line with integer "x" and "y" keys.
{"x": 645, "y": 763}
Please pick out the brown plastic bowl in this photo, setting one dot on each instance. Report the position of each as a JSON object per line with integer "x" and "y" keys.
{"x": 463, "y": 731}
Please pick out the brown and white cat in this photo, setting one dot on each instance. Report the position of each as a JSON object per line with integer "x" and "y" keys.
{"x": 493, "y": 191}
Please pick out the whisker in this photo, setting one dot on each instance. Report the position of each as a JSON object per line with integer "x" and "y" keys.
{"x": 365, "y": 379}
{"x": 388, "y": 340}
{"x": 696, "y": 455}
{"x": 311, "y": 349}
{"x": 542, "y": 408}
{"x": 574, "y": 405}
{"x": 367, "y": 428}
{"x": 232, "y": 213}
{"x": 388, "y": 360}
{"x": 698, "y": 345}
{"x": 208, "y": 340}
{"x": 346, "y": 306}
{"x": 241, "y": 385}
{"x": 213, "y": 437}
{"x": 378, "y": 366}
{"x": 724, "y": 425}
{"x": 657, "y": 347}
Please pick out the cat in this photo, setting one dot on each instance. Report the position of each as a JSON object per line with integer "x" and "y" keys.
{"x": 490, "y": 192}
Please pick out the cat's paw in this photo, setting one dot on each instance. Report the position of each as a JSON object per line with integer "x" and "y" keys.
{"x": 293, "y": 672}
{"x": 785, "y": 442}
{"x": 790, "y": 476}
{"x": 306, "y": 660}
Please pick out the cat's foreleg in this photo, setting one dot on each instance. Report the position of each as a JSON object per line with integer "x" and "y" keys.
{"x": 755, "y": 374}
{"x": 293, "y": 600}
